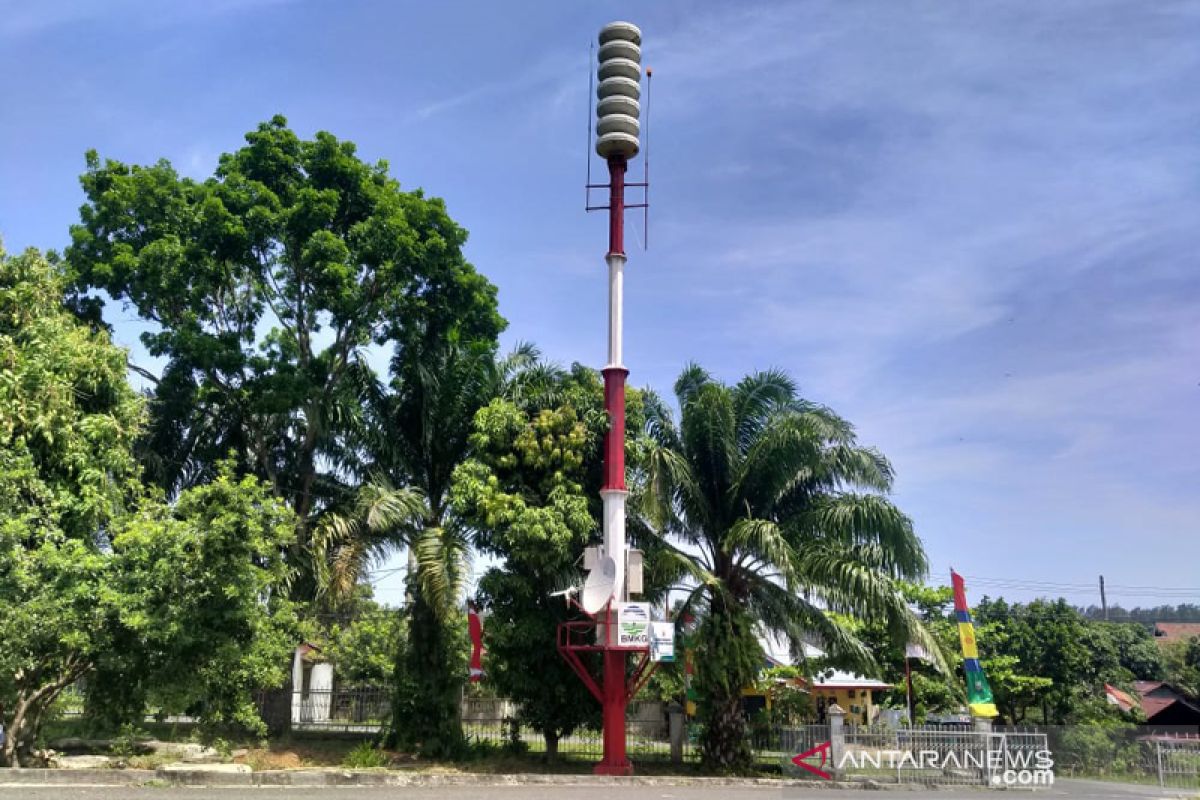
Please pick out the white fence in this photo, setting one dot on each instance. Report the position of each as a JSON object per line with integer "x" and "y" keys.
{"x": 1178, "y": 763}
{"x": 929, "y": 756}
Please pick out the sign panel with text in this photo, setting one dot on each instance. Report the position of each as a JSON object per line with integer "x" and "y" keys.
{"x": 633, "y": 625}
{"x": 662, "y": 641}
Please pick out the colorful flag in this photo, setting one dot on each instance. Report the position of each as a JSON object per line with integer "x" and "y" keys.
{"x": 475, "y": 628}
{"x": 979, "y": 694}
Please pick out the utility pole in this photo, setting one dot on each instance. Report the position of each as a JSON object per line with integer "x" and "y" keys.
{"x": 1103, "y": 599}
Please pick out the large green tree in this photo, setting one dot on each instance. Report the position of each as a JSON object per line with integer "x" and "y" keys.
{"x": 781, "y": 517}
{"x": 529, "y": 492}
{"x": 1181, "y": 664}
{"x": 265, "y": 284}
{"x": 1072, "y": 658}
{"x": 204, "y": 620}
{"x": 934, "y": 690}
{"x": 68, "y": 418}
{"x": 179, "y": 604}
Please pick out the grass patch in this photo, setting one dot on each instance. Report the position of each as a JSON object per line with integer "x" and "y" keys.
{"x": 366, "y": 756}
{"x": 299, "y": 753}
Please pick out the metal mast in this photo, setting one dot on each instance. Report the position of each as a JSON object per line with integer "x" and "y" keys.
{"x": 617, "y": 128}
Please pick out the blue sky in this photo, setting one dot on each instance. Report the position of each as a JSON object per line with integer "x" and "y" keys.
{"x": 971, "y": 228}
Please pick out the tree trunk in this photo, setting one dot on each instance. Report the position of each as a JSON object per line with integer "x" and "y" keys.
{"x": 426, "y": 709}
{"x": 33, "y": 724}
{"x": 551, "y": 737}
{"x": 723, "y": 745}
{"x": 26, "y": 720}
{"x": 8, "y": 752}
{"x": 16, "y": 733}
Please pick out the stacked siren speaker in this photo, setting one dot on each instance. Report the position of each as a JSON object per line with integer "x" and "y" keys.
{"x": 619, "y": 91}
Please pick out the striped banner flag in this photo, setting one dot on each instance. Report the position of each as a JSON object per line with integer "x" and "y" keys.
{"x": 979, "y": 694}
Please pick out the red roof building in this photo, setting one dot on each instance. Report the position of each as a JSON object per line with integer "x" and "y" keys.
{"x": 1165, "y": 706}
{"x": 1169, "y": 632}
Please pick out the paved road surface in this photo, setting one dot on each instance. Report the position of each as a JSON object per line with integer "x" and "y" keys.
{"x": 1082, "y": 790}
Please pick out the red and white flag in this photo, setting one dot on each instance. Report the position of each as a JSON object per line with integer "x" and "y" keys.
{"x": 475, "y": 627}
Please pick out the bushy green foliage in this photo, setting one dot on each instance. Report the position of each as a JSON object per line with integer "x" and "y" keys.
{"x": 170, "y": 603}
{"x": 364, "y": 649}
{"x": 1181, "y": 665}
{"x": 1047, "y": 657}
{"x": 204, "y": 620}
{"x": 526, "y": 494}
{"x": 1093, "y": 749}
{"x": 523, "y": 489}
{"x": 68, "y": 418}
{"x": 265, "y": 284}
{"x": 667, "y": 684}
{"x": 1045, "y": 660}
{"x": 1134, "y": 647}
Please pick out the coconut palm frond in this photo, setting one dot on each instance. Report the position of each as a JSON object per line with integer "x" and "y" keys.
{"x": 784, "y": 520}
{"x": 348, "y": 544}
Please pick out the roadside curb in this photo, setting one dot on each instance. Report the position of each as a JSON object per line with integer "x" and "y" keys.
{"x": 337, "y": 777}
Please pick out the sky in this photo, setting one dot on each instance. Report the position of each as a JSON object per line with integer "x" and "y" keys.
{"x": 970, "y": 228}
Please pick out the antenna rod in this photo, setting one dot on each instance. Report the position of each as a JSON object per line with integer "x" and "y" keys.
{"x": 1103, "y": 599}
{"x": 587, "y": 153}
{"x": 646, "y": 168}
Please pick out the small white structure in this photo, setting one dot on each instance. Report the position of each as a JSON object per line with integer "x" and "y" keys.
{"x": 312, "y": 686}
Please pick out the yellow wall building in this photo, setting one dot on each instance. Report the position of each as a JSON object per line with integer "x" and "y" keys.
{"x": 854, "y": 693}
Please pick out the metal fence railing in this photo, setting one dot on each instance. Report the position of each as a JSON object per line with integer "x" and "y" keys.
{"x": 1177, "y": 762}
{"x": 916, "y": 755}
{"x": 351, "y": 710}
{"x": 585, "y": 743}
{"x": 935, "y": 756}
{"x": 486, "y": 722}
{"x": 775, "y": 745}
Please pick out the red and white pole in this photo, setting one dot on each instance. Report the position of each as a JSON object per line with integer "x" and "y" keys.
{"x": 617, "y": 128}
{"x": 613, "y": 493}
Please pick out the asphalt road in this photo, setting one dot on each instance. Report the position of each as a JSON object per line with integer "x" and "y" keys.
{"x": 1064, "y": 789}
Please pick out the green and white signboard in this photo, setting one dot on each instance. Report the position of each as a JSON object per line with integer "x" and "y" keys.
{"x": 662, "y": 641}
{"x": 633, "y": 624}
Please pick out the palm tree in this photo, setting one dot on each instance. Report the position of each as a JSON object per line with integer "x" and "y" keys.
{"x": 415, "y": 437}
{"x": 421, "y": 432}
{"x": 780, "y": 518}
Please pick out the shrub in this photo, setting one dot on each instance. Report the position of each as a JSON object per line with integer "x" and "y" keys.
{"x": 365, "y": 755}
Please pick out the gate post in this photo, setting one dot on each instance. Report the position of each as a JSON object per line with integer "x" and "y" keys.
{"x": 837, "y": 739}
{"x": 675, "y": 727}
{"x": 983, "y": 726}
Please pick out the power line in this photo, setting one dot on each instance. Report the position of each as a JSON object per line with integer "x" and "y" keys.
{"x": 1090, "y": 588}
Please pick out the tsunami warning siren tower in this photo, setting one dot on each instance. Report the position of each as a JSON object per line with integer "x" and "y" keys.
{"x": 604, "y": 596}
{"x": 618, "y": 110}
